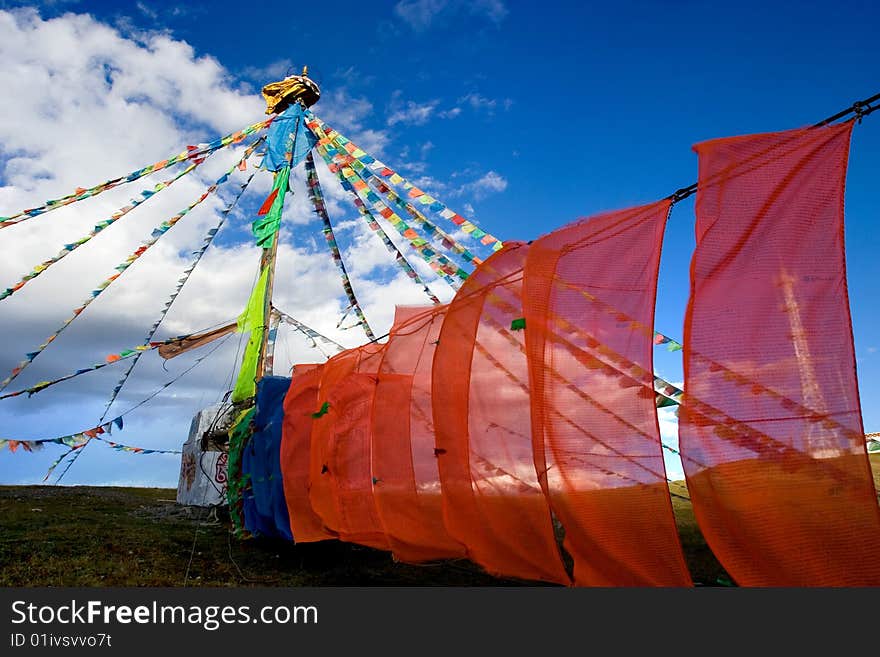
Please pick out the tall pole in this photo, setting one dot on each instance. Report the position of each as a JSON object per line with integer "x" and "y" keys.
{"x": 268, "y": 259}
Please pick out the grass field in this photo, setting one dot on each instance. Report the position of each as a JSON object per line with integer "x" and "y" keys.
{"x": 91, "y": 536}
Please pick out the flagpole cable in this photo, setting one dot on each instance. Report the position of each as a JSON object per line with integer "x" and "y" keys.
{"x": 859, "y": 109}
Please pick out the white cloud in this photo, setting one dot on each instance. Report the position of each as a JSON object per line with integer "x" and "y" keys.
{"x": 147, "y": 11}
{"x": 479, "y": 102}
{"x": 489, "y": 183}
{"x": 413, "y": 113}
{"x": 430, "y": 184}
{"x": 84, "y": 103}
{"x": 348, "y": 114}
{"x": 420, "y": 15}
{"x": 451, "y": 113}
{"x": 277, "y": 70}
{"x": 495, "y": 10}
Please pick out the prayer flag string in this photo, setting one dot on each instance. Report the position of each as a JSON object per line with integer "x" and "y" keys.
{"x": 364, "y": 198}
{"x": 317, "y": 197}
{"x": 158, "y": 232}
{"x": 118, "y": 421}
{"x": 371, "y": 220}
{"x": 206, "y": 242}
{"x": 435, "y": 232}
{"x": 77, "y": 441}
{"x": 121, "y": 212}
{"x": 111, "y": 359}
{"x": 194, "y": 153}
{"x": 309, "y": 332}
{"x": 468, "y": 227}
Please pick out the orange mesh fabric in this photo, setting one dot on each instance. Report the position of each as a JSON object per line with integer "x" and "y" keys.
{"x": 492, "y": 501}
{"x": 348, "y": 450}
{"x": 589, "y": 296}
{"x": 407, "y": 482}
{"x": 771, "y": 431}
{"x": 322, "y": 489}
{"x": 296, "y": 440}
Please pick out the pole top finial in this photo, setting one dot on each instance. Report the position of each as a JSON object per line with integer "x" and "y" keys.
{"x": 292, "y": 89}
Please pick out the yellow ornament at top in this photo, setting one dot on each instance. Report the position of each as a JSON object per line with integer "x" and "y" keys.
{"x": 292, "y": 89}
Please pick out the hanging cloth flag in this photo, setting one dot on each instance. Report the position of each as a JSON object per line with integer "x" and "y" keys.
{"x": 251, "y": 320}
{"x": 239, "y": 433}
{"x": 288, "y": 141}
{"x": 173, "y": 348}
{"x": 269, "y": 362}
{"x": 267, "y": 204}
{"x": 167, "y": 349}
{"x": 778, "y": 422}
{"x": 267, "y": 224}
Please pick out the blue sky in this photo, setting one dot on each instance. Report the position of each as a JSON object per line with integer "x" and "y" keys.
{"x": 524, "y": 116}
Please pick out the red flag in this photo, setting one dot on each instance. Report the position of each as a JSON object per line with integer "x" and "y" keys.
{"x": 772, "y": 440}
{"x": 267, "y": 204}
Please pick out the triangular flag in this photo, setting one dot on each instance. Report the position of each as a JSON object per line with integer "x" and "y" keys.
{"x": 267, "y": 204}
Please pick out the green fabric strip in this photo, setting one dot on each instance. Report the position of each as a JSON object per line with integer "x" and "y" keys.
{"x": 265, "y": 227}
{"x": 239, "y": 434}
{"x": 251, "y": 320}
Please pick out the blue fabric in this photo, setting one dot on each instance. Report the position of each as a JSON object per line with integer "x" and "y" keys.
{"x": 278, "y": 141}
{"x": 265, "y": 509}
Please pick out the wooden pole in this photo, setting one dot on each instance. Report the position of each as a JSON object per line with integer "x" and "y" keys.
{"x": 268, "y": 260}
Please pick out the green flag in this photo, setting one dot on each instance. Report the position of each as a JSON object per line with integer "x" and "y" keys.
{"x": 251, "y": 320}
{"x": 264, "y": 227}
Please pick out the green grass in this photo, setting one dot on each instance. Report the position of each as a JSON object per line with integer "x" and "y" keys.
{"x": 96, "y": 536}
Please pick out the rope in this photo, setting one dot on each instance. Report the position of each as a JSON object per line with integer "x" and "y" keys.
{"x": 860, "y": 109}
